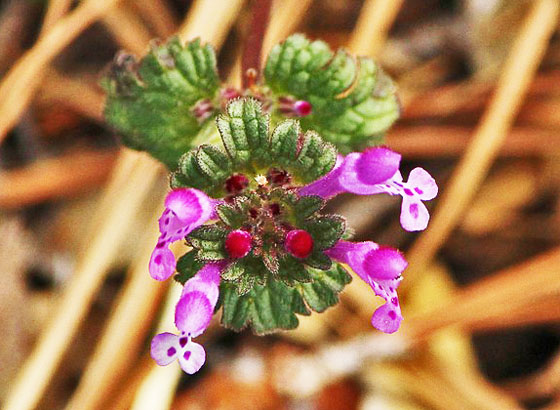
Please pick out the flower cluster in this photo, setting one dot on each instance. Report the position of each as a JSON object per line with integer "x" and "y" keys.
{"x": 262, "y": 247}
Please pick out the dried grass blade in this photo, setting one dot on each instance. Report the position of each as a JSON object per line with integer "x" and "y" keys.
{"x": 19, "y": 85}
{"x": 124, "y": 334}
{"x": 520, "y": 68}
{"x": 374, "y": 22}
{"x": 513, "y": 289}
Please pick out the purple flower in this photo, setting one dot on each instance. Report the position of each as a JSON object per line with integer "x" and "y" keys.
{"x": 381, "y": 268}
{"x": 185, "y": 210}
{"x": 375, "y": 171}
{"x": 192, "y": 316}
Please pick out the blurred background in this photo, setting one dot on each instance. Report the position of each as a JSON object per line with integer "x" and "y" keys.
{"x": 479, "y": 83}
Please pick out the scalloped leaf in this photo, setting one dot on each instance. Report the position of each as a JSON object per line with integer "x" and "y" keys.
{"x": 265, "y": 308}
{"x": 354, "y": 102}
{"x": 208, "y": 240}
{"x": 307, "y": 206}
{"x": 244, "y": 131}
{"x": 292, "y": 271}
{"x": 248, "y": 148}
{"x": 326, "y": 231}
{"x": 150, "y": 102}
{"x": 323, "y": 291}
{"x": 187, "y": 266}
{"x": 306, "y": 156}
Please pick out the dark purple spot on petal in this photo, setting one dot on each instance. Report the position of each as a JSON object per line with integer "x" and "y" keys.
{"x": 157, "y": 260}
{"x": 166, "y": 221}
{"x": 160, "y": 244}
{"x": 171, "y": 351}
{"x": 418, "y": 191}
{"x": 398, "y": 184}
{"x": 413, "y": 210}
{"x": 395, "y": 301}
{"x": 408, "y": 192}
{"x": 187, "y": 355}
{"x": 183, "y": 341}
{"x": 392, "y": 315}
{"x": 391, "y": 290}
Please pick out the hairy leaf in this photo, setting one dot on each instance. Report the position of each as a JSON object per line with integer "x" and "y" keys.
{"x": 151, "y": 102}
{"x": 353, "y": 101}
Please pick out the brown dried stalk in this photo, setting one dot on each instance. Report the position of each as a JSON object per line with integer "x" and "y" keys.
{"x": 56, "y": 10}
{"x": 75, "y": 301}
{"x": 158, "y": 15}
{"x": 66, "y": 175}
{"x": 509, "y": 291}
{"x": 81, "y": 96}
{"x": 128, "y": 29}
{"x": 431, "y": 141}
{"x": 252, "y": 51}
{"x": 519, "y": 69}
{"x": 374, "y": 22}
{"x": 19, "y": 85}
{"x": 221, "y": 14}
{"x": 124, "y": 334}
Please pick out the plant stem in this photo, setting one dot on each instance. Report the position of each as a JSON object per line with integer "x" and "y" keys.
{"x": 253, "y": 44}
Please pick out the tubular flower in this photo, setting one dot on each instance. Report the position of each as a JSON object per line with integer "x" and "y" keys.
{"x": 376, "y": 171}
{"x": 262, "y": 247}
{"x": 192, "y": 316}
{"x": 380, "y": 268}
{"x": 185, "y": 210}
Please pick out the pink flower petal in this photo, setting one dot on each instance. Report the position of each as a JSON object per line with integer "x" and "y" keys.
{"x": 414, "y": 214}
{"x": 384, "y": 263}
{"x": 361, "y": 172}
{"x": 327, "y": 186}
{"x": 388, "y": 317}
{"x": 192, "y": 358}
{"x": 422, "y": 184}
{"x": 162, "y": 263}
{"x": 165, "y": 348}
{"x": 185, "y": 203}
{"x": 193, "y": 313}
{"x": 207, "y": 281}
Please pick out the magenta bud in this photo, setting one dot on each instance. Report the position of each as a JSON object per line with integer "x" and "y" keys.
{"x": 238, "y": 243}
{"x": 302, "y": 108}
{"x": 299, "y": 243}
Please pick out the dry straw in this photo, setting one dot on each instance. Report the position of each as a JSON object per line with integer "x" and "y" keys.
{"x": 527, "y": 293}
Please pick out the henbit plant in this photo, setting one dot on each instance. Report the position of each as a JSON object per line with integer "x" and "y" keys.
{"x": 253, "y": 170}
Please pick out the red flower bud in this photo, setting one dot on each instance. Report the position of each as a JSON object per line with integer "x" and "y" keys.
{"x": 299, "y": 243}
{"x": 238, "y": 243}
{"x": 302, "y": 108}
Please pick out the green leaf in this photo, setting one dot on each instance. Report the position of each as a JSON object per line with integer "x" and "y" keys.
{"x": 244, "y": 273}
{"x": 150, "y": 102}
{"x": 325, "y": 230}
{"x": 213, "y": 163}
{"x": 306, "y": 156}
{"x": 284, "y": 142}
{"x": 354, "y": 102}
{"x": 318, "y": 260}
{"x": 187, "y": 266}
{"x": 265, "y": 308}
{"x": 307, "y": 206}
{"x": 244, "y": 131}
{"x": 316, "y": 157}
{"x": 189, "y": 174}
{"x": 323, "y": 291}
{"x": 292, "y": 271}
{"x": 231, "y": 216}
{"x": 208, "y": 240}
